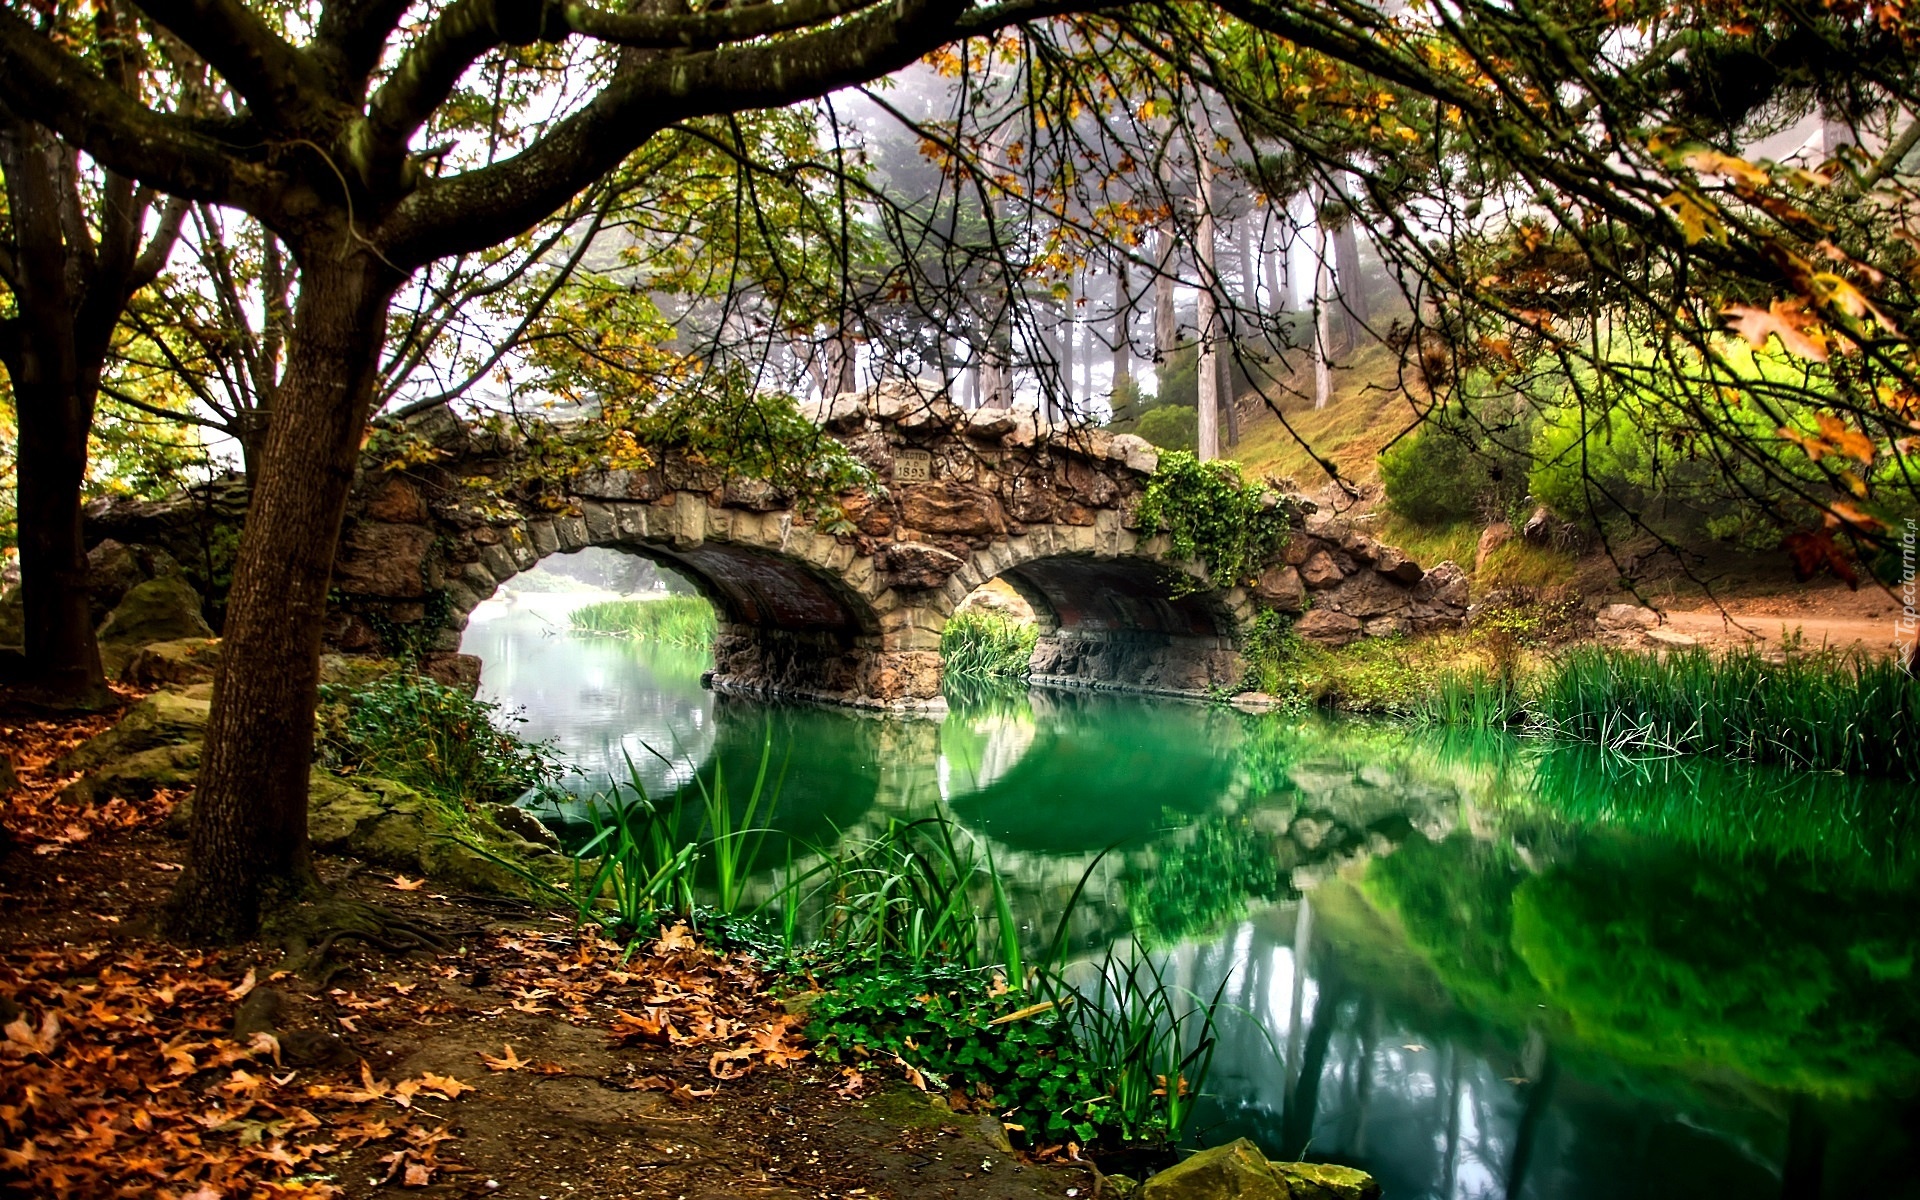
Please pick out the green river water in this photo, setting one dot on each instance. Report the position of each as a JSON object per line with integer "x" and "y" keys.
{"x": 1472, "y": 965}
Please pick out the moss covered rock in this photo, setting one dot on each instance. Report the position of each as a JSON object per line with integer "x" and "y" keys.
{"x": 159, "y": 610}
{"x": 138, "y": 775}
{"x": 162, "y": 719}
{"x": 170, "y": 664}
{"x": 1238, "y": 1171}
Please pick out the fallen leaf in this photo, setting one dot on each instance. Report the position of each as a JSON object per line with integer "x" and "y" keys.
{"x": 402, "y": 884}
{"x": 506, "y": 1062}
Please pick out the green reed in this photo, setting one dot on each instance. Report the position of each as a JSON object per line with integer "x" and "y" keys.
{"x": 673, "y": 620}
{"x": 1840, "y": 712}
{"x": 984, "y": 646}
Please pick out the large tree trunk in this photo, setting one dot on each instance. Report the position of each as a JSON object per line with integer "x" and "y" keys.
{"x": 249, "y": 827}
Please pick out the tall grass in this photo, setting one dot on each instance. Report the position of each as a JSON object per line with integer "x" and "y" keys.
{"x": 979, "y": 646}
{"x": 1854, "y": 713}
{"x": 675, "y": 620}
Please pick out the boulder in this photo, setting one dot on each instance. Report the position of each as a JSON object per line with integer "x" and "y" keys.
{"x": 114, "y": 569}
{"x": 162, "y": 719}
{"x": 168, "y": 664}
{"x": 1669, "y": 637}
{"x": 1281, "y": 589}
{"x": 1327, "y": 627}
{"x": 1396, "y": 566}
{"x": 916, "y": 564}
{"x": 159, "y": 610}
{"x": 1320, "y": 571}
{"x": 1492, "y": 538}
{"x": 137, "y": 776}
{"x": 1238, "y": 1171}
{"x": 1618, "y": 617}
{"x": 1539, "y": 527}
{"x": 1368, "y": 594}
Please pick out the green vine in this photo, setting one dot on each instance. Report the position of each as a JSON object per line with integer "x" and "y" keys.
{"x": 1215, "y": 515}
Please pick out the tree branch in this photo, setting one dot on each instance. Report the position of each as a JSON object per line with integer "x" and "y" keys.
{"x": 273, "y": 77}
{"x": 660, "y": 31}
{"x": 433, "y": 65}
{"x": 45, "y": 84}
{"x": 481, "y": 207}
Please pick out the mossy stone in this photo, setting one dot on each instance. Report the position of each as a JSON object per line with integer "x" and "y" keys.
{"x": 1326, "y": 1181}
{"x": 1239, "y": 1171}
{"x": 183, "y": 661}
{"x": 159, "y": 610}
{"x": 162, "y": 719}
{"x": 138, "y": 775}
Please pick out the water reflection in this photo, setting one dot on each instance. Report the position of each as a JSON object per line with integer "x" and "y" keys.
{"x": 1473, "y": 966}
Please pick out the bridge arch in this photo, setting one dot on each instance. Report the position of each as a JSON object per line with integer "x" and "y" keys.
{"x": 854, "y": 615}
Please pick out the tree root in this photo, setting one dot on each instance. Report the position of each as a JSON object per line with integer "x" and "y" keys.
{"x": 310, "y": 933}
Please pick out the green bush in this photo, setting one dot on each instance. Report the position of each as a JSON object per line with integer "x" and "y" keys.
{"x": 1214, "y": 514}
{"x": 435, "y": 739}
{"x": 1452, "y": 470}
{"x": 1170, "y": 427}
{"x": 982, "y": 646}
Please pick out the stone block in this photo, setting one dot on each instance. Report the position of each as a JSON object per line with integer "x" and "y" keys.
{"x": 916, "y": 565}
{"x": 159, "y": 610}
{"x": 497, "y": 562}
{"x": 381, "y": 559}
{"x": 546, "y": 539}
{"x": 600, "y": 522}
{"x": 572, "y": 532}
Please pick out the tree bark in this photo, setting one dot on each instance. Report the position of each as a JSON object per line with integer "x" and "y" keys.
{"x": 54, "y": 409}
{"x": 249, "y": 825}
{"x": 1122, "y": 327}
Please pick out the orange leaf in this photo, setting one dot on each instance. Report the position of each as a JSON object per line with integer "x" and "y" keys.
{"x": 402, "y": 884}
{"x": 506, "y": 1062}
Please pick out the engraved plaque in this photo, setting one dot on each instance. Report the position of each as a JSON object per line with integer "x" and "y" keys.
{"x": 912, "y": 466}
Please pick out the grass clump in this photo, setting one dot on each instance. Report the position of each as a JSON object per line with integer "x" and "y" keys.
{"x": 979, "y": 646}
{"x": 449, "y": 746}
{"x": 674, "y": 620}
{"x": 1854, "y": 713}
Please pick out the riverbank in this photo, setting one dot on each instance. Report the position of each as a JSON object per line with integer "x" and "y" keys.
{"x": 513, "y": 1057}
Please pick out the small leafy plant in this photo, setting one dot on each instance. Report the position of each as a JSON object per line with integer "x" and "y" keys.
{"x": 1214, "y": 514}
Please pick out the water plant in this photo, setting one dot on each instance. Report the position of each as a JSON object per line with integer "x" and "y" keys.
{"x": 674, "y": 620}
{"x": 982, "y": 646}
{"x": 1836, "y": 712}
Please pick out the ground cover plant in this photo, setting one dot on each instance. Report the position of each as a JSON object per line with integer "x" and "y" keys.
{"x": 452, "y": 747}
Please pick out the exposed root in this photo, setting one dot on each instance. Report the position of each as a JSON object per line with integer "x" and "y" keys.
{"x": 309, "y": 933}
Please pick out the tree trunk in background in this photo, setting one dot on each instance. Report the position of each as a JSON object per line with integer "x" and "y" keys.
{"x": 75, "y": 266}
{"x": 249, "y": 822}
{"x": 1323, "y": 300}
{"x": 1166, "y": 332}
{"x": 1122, "y": 326}
{"x": 843, "y": 359}
{"x": 1207, "y": 319}
{"x": 1353, "y": 294}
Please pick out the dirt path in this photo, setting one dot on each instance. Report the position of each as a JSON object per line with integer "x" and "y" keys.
{"x": 1828, "y": 615}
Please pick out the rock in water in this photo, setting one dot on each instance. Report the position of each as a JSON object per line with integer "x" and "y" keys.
{"x": 1238, "y": 1171}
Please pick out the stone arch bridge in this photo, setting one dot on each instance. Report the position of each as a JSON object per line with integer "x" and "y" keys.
{"x": 855, "y": 616}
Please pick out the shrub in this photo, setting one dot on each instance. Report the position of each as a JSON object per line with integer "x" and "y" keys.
{"x": 436, "y": 739}
{"x": 1170, "y": 427}
{"x": 1214, "y": 514}
{"x": 1452, "y": 470}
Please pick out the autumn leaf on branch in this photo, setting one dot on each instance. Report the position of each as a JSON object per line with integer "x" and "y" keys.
{"x": 1799, "y": 331}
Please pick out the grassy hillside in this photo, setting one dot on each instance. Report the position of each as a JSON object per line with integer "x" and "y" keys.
{"x": 1367, "y": 411}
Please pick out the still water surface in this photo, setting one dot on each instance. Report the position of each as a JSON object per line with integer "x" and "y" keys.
{"x": 1475, "y": 967}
